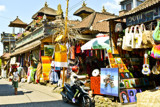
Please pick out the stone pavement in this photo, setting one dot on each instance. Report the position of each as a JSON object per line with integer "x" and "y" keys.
{"x": 29, "y": 95}
{"x": 34, "y": 95}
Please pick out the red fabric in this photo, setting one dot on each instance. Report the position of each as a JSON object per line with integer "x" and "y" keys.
{"x": 78, "y": 49}
{"x": 95, "y": 85}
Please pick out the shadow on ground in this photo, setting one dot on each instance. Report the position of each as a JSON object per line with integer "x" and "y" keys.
{"x": 42, "y": 104}
{"x": 8, "y": 90}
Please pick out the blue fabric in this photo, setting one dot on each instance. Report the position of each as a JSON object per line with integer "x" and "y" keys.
{"x": 54, "y": 77}
{"x": 57, "y": 68}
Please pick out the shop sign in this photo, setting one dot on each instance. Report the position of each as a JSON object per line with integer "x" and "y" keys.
{"x": 143, "y": 17}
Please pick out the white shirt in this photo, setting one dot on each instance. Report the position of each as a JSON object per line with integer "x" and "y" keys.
{"x": 15, "y": 76}
{"x": 72, "y": 79}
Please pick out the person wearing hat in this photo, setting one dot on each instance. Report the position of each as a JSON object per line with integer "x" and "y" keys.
{"x": 53, "y": 76}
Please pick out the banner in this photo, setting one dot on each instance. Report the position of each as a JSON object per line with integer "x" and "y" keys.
{"x": 109, "y": 81}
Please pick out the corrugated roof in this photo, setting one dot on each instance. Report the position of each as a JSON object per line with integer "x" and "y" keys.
{"x": 45, "y": 10}
{"x": 92, "y": 21}
{"x": 144, "y": 5}
{"x": 17, "y": 23}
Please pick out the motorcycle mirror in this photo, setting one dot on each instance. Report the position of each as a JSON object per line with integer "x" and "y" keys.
{"x": 75, "y": 77}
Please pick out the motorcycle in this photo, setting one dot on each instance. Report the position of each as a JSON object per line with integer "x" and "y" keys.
{"x": 81, "y": 98}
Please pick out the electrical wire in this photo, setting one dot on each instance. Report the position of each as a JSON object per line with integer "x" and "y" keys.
{"x": 75, "y": 5}
{"x": 5, "y": 18}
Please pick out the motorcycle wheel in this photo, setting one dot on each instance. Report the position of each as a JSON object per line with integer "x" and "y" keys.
{"x": 86, "y": 101}
{"x": 64, "y": 98}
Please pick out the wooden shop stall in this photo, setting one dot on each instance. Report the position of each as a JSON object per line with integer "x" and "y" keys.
{"x": 134, "y": 40}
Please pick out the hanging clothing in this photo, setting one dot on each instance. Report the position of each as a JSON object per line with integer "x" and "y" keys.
{"x": 53, "y": 77}
{"x": 78, "y": 48}
{"x": 72, "y": 52}
{"x": 39, "y": 71}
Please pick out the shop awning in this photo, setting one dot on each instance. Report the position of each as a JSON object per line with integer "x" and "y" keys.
{"x": 26, "y": 48}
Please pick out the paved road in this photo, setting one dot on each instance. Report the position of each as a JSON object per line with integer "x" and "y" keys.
{"x": 29, "y": 95}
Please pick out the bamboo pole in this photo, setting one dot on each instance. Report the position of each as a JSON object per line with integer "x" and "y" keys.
{"x": 65, "y": 36}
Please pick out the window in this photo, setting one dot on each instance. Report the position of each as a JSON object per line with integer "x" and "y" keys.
{"x": 128, "y": 7}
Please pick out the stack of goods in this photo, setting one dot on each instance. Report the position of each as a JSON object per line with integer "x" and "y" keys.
{"x": 148, "y": 99}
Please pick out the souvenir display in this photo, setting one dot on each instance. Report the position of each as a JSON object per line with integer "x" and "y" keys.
{"x": 156, "y": 33}
{"x": 137, "y": 37}
{"x": 109, "y": 81}
{"x": 119, "y": 27}
{"x": 132, "y": 95}
{"x": 155, "y": 52}
{"x": 124, "y": 98}
{"x": 146, "y": 70}
{"x": 95, "y": 72}
{"x": 127, "y": 83}
{"x": 127, "y": 40}
{"x": 147, "y": 39}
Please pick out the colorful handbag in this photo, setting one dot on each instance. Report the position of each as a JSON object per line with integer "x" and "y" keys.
{"x": 156, "y": 33}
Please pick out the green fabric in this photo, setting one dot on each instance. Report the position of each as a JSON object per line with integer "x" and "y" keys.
{"x": 15, "y": 84}
{"x": 33, "y": 70}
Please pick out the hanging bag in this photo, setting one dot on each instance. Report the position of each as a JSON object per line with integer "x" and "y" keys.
{"x": 137, "y": 37}
{"x": 147, "y": 39}
{"x": 156, "y": 33}
{"x": 129, "y": 36}
{"x": 124, "y": 45}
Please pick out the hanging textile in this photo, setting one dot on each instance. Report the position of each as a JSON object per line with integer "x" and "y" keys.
{"x": 39, "y": 71}
{"x": 60, "y": 56}
{"x": 72, "y": 52}
{"x": 35, "y": 54}
{"x": 32, "y": 73}
{"x": 53, "y": 77}
{"x": 46, "y": 66}
{"x": 78, "y": 48}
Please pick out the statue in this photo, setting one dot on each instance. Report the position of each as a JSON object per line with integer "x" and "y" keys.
{"x": 46, "y": 5}
{"x": 59, "y": 10}
{"x": 84, "y": 4}
{"x": 103, "y": 10}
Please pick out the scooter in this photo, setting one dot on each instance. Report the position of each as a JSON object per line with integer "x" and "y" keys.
{"x": 81, "y": 98}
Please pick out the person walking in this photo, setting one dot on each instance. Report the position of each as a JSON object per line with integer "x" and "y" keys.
{"x": 15, "y": 80}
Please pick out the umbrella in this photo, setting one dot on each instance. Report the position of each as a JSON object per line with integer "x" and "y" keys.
{"x": 96, "y": 43}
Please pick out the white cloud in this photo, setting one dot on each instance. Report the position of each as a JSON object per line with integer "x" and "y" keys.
{"x": 2, "y": 8}
{"x": 117, "y": 1}
{"x": 113, "y": 6}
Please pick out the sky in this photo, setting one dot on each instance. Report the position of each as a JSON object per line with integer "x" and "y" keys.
{"x": 25, "y": 9}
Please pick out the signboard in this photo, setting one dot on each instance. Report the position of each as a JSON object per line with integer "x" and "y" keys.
{"x": 143, "y": 17}
{"x": 109, "y": 81}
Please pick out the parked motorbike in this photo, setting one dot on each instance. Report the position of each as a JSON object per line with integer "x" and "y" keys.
{"x": 82, "y": 97}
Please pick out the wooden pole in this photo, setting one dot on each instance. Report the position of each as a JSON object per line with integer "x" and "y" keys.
{"x": 65, "y": 36}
